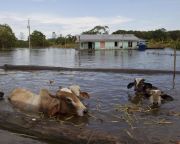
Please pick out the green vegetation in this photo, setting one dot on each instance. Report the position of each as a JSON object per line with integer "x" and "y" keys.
{"x": 98, "y": 30}
{"x": 21, "y": 44}
{"x": 7, "y": 37}
{"x": 156, "y": 39}
{"x": 38, "y": 39}
{"x": 67, "y": 42}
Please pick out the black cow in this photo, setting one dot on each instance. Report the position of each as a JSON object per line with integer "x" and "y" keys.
{"x": 147, "y": 90}
{"x": 1, "y": 95}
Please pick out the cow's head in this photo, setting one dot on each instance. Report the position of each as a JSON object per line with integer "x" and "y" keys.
{"x": 70, "y": 103}
{"x": 155, "y": 98}
{"x": 139, "y": 85}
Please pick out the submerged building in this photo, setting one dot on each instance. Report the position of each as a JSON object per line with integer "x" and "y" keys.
{"x": 114, "y": 41}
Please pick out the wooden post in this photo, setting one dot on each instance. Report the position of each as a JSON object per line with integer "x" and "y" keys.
{"x": 79, "y": 37}
{"x": 65, "y": 41}
{"x": 29, "y": 28}
{"x": 174, "y": 73}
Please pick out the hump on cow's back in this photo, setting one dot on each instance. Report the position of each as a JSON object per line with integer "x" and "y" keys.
{"x": 44, "y": 92}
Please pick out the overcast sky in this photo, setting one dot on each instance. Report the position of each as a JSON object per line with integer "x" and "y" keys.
{"x": 75, "y": 16}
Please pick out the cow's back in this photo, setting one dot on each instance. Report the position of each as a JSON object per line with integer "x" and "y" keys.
{"x": 24, "y": 99}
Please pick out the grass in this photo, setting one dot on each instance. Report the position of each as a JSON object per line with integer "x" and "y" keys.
{"x": 164, "y": 44}
{"x": 130, "y": 114}
{"x": 68, "y": 45}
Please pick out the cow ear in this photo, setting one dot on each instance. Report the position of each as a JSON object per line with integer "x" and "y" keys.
{"x": 143, "y": 80}
{"x": 167, "y": 97}
{"x": 84, "y": 95}
{"x": 130, "y": 85}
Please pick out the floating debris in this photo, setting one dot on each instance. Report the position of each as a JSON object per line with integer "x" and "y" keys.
{"x": 68, "y": 118}
{"x": 129, "y": 134}
{"x": 161, "y": 121}
{"x": 114, "y": 121}
{"x": 172, "y": 113}
{"x": 91, "y": 115}
{"x": 130, "y": 111}
{"x": 33, "y": 119}
{"x": 51, "y": 82}
{"x": 134, "y": 108}
{"x": 128, "y": 115}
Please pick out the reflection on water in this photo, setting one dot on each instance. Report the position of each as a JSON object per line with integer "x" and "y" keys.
{"x": 149, "y": 59}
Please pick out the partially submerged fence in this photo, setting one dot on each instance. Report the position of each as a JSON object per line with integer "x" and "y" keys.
{"x": 109, "y": 70}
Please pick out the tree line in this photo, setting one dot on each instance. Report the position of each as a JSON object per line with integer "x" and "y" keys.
{"x": 159, "y": 37}
{"x": 38, "y": 39}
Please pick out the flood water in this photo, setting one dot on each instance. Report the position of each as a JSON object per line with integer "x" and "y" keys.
{"x": 149, "y": 59}
{"x": 108, "y": 90}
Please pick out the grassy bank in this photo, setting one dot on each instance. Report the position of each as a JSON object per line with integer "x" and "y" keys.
{"x": 163, "y": 44}
{"x": 68, "y": 45}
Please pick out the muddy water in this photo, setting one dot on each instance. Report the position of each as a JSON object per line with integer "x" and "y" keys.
{"x": 108, "y": 92}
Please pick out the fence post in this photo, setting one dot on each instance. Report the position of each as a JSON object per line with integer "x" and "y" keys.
{"x": 174, "y": 72}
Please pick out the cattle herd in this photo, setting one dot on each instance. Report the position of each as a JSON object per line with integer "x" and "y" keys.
{"x": 69, "y": 99}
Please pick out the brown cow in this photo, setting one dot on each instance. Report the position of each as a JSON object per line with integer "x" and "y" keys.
{"x": 75, "y": 89}
{"x": 61, "y": 103}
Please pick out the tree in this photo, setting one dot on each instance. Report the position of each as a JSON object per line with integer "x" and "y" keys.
{"x": 38, "y": 39}
{"x": 7, "y": 37}
{"x": 159, "y": 35}
{"x": 174, "y": 35}
{"x": 98, "y": 30}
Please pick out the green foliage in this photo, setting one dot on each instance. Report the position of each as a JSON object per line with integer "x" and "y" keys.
{"x": 60, "y": 40}
{"x": 177, "y": 45}
{"x": 22, "y": 44}
{"x": 157, "y": 35}
{"x": 69, "y": 39}
{"x": 38, "y": 39}
{"x": 175, "y": 35}
{"x": 7, "y": 37}
{"x": 98, "y": 30}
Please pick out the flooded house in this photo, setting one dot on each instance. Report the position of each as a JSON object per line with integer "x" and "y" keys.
{"x": 105, "y": 41}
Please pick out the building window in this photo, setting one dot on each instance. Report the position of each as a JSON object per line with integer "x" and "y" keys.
{"x": 130, "y": 44}
{"x": 115, "y": 44}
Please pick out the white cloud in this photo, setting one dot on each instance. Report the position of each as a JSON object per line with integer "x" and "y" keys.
{"x": 61, "y": 25}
